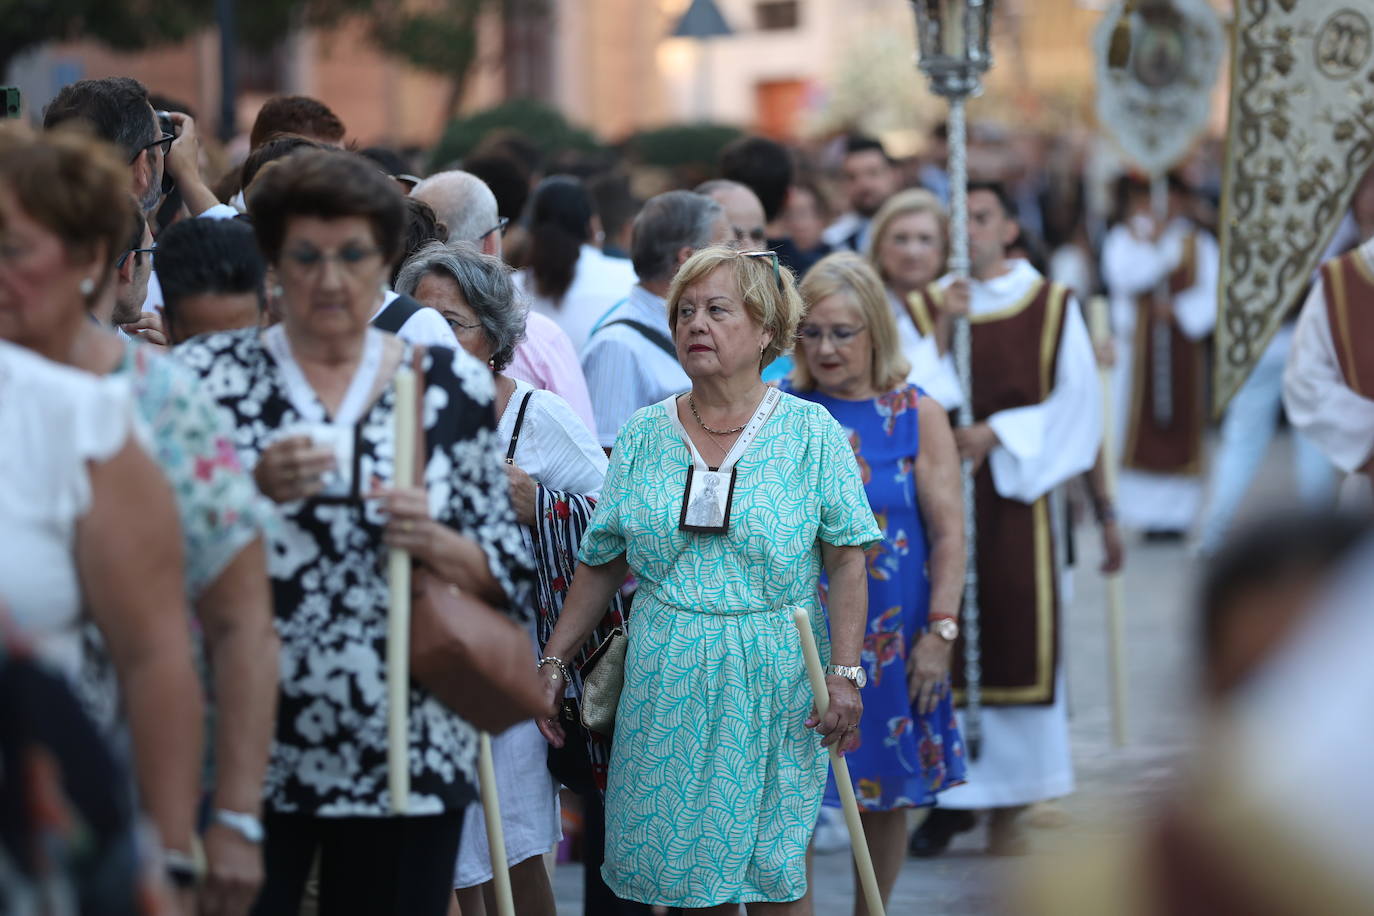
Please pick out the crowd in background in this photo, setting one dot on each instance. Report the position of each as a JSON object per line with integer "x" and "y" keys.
{"x": 205, "y": 347}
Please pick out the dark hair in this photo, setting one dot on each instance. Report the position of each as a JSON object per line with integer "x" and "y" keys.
{"x": 329, "y": 184}
{"x": 508, "y": 179}
{"x": 74, "y": 185}
{"x": 422, "y": 227}
{"x": 667, "y": 224}
{"x": 998, "y": 190}
{"x": 615, "y": 203}
{"x": 1296, "y": 543}
{"x": 278, "y": 147}
{"x": 116, "y": 108}
{"x": 1130, "y": 184}
{"x": 295, "y": 114}
{"x": 862, "y": 143}
{"x": 512, "y": 143}
{"x": 812, "y": 187}
{"x": 388, "y": 160}
{"x": 560, "y": 222}
{"x": 764, "y": 166}
{"x": 198, "y": 256}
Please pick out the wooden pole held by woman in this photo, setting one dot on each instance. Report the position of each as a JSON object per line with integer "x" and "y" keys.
{"x": 1116, "y": 598}
{"x": 398, "y": 613}
{"x": 868, "y": 879}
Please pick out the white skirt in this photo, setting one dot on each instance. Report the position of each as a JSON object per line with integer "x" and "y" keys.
{"x": 529, "y": 807}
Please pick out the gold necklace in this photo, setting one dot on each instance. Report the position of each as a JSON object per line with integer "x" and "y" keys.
{"x": 692, "y": 404}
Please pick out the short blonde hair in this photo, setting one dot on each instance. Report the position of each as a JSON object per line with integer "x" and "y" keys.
{"x": 847, "y": 274}
{"x": 904, "y": 203}
{"x": 773, "y": 309}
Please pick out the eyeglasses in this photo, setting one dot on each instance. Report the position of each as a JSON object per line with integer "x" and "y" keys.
{"x": 458, "y": 326}
{"x": 499, "y": 227}
{"x": 165, "y": 141}
{"x": 840, "y": 336}
{"x": 351, "y": 260}
{"x": 124, "y": 258}
{"x": 771, "y": 255}
{"x": 757, "y": 235}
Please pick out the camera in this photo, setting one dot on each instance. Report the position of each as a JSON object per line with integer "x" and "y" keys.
{"x": 166, "y": 125}
{"x": 9, "y": 97}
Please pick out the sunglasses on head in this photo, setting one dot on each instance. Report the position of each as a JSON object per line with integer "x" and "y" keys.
{"x": 772, "y": 256}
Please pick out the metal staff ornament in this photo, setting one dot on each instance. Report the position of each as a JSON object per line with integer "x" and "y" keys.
{"x": 953, "y": 36}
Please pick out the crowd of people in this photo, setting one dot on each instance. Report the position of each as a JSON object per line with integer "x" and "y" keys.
{"x": 668, "y": 422}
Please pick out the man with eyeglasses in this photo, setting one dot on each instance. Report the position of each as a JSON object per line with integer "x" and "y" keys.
{"x": 546, "y": 357}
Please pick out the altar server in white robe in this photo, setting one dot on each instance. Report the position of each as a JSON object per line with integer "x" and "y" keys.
{"x": 1162, "y": 279}
{"x": 1328, "y": 384}
{"x": 1037, "y": 407}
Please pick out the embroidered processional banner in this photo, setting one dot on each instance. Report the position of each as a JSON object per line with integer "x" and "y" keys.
{"x": 1156, "y": 63}
{"x": 1300, "y": 137}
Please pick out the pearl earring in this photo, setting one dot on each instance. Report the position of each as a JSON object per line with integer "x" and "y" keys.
{"x": 87, "y": 287}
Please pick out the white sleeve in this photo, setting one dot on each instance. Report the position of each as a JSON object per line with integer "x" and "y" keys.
{"x": 934, "y": 374}
{"x": 1196, "y": 307}
{"x": 219, "y": 211}
{"x": 574, "y": 462}
{"x": 1045, "y": 444}
{"x": 1131, "y": 267}
{"x": 427, "y": 328}
{"x": 1315, "y": 395}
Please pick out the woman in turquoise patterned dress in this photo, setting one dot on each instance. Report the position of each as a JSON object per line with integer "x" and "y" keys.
{"x": 851, "y": 363}
{"x": 716, "y": 775}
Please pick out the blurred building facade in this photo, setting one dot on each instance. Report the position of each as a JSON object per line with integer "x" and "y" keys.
{"x": 789, "y": 68}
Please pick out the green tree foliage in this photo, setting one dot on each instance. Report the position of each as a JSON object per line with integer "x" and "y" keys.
{"x": 537, "y": 122}
{"x": 439, "y": 36}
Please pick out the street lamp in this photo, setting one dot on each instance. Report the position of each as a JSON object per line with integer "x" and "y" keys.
{"x": 952, "y": 36}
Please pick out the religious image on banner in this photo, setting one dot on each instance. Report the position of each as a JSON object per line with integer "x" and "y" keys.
{"x": 1156, "y": 63}
{"x": 1300, "y": 136}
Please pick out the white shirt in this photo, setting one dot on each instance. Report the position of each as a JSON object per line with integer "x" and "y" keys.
{"x": 426, "y": 328}
{"x": 838, "y": 233}
{"x": 546, "y": 359}
{"x": 598, "y": 283}
{"x": 1319, "y": 403}
{"x": 928, "y": 370}
{"x": 555, "y": 446}
{"x": 625, "y": 370}
{"x": 1041, "y": 445}
{"x": 53, "y": 420}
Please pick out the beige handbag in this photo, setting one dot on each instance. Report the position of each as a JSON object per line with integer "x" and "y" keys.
{"x": 603, "y": 677}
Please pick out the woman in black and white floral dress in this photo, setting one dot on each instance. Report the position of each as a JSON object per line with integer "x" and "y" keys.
{"x": 313, "y": 404}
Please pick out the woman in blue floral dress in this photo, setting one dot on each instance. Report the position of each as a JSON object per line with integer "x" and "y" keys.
{"x": 909, "y": 746}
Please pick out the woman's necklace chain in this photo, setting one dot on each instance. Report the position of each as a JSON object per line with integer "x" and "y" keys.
{"x": 692, "y": 405}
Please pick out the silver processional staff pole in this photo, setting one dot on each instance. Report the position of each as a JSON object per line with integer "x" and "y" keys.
{"x": 954, "y": 54}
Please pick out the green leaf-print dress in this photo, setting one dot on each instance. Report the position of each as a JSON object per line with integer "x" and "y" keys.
{"x": 714, "y": 782}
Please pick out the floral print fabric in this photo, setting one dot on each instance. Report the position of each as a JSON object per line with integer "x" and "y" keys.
{"x": 903, "y": 758}
{"x": 327, "y": 564}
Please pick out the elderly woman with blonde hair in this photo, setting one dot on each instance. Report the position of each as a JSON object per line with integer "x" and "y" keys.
{"x": 909, "y": 247}
{"x": 850, "y": 364}
{"x": 715, "y": 775}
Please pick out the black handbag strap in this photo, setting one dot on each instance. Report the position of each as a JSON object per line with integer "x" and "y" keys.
{"x": 519, "y": 424}
{"x": 653, "y": 335}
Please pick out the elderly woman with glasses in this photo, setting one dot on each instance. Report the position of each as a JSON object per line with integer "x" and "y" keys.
{"x": 851, "y": 365}
{"x": 716, "y": 775}
{"x": 314, "y": 408}
{"x": 556, "y": 471}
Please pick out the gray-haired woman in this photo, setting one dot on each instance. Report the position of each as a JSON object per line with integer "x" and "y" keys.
{"x": 555, "y": 469}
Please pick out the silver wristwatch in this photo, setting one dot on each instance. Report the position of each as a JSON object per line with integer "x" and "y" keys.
{"x": 947, "y": 628}
{"x": 245, "y": 825}
{"x": 853, "y": 673}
